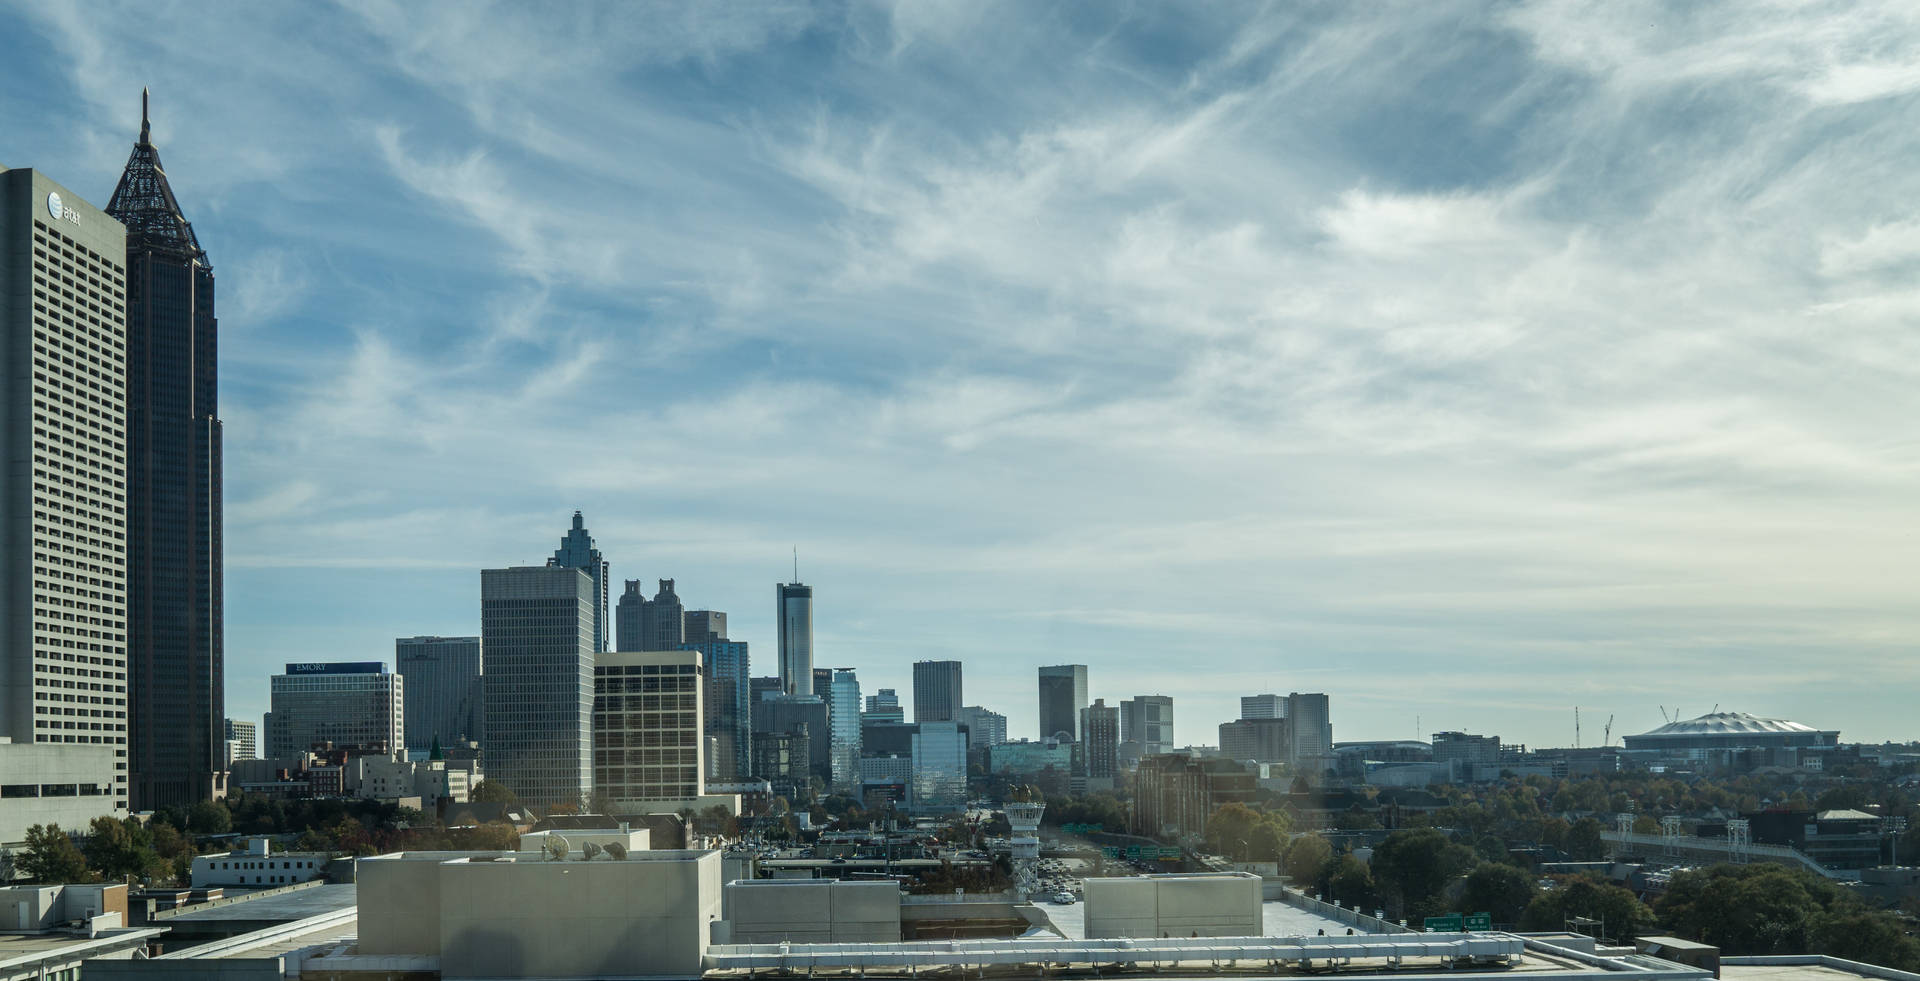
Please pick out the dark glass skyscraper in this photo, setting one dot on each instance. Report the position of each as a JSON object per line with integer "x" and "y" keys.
{"x": 177, "y": 693}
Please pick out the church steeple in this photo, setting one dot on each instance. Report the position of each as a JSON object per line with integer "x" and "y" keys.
{"x": 145, "y": 204}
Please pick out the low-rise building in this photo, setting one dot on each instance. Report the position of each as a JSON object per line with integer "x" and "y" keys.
{"x": 256, "y": 866}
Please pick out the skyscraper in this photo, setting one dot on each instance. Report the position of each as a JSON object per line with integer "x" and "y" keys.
{"x": 177, "y": 695}
{"x": 936, "y": 690}
{"x": 1263, "y": 707}
{"x": 646, "y": 725}
{"x": 1148, "y": 721}
{"x": 662, "y": 620}
{"x": 984, "y": 727}
{"x": 576, "y": 551}
{"x": 703, "y": 625}
{"x": 1063, "y": 693}
{"x": 63, "y": 567}
{"x": 626, "y": 618}
{"x": 1100, "y": 731}
{"x": 1309, "y": 726}
{"x": 883, "y": 707}
{"x": 348, "y": 703}
{"x": 446, "y": 693}
{"x": 843, "y": 724}
{"x": 536, "y": 642}
{"x": 794, "y": 616}
{"x": 726, "y": 704}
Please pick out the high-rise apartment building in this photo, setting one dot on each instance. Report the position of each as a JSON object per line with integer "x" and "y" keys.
{"x": 647, "y": 742}
{"x": 843, "y": 724}
{"x": 1063, "y": 693}
{"x": 242, "y": 741}
{"x": 576, "y": 551}
{"x": 1100, "y": 731}
{"x": 175, "y": 638}
{"x": 884, "y": 707}
{"x": 347, "y": 703}
{"x": 446, "y": 693}
{"x": 701, "y": 626}
{"x": 1309, "y": 726}
{"x": 936, "y": 690}
{"x": 1263, "y": 707}
{"x": 1147, "y": 721}
{"x": 536, "y": 642}
{"x": 794, "y": 620}
{"x": 726, "y": 705}
{"x": 63, "y": 535}
{"x": 984, "y": 728}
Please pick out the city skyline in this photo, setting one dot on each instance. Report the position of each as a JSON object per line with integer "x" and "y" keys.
{"x": 1562, "y": 404}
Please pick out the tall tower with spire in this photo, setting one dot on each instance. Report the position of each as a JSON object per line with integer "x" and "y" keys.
{"x": 175, "y": 639}
{"x": 576, "y": 551}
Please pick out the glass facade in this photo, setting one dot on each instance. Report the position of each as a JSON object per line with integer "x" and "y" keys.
{"x": 445, "y": 691}
{"x": 1063, "y": 693}
{"x": 727, "y": 707}
{"x": 356, "y": 704}
{"x": 795, "y": 613}
{"x": 646, "y": 729}
{"x": 576, "y": 551}
{"x": 536, "y": 642}
{"x": 843, "y": 719}
{"x": 939, "y": 768}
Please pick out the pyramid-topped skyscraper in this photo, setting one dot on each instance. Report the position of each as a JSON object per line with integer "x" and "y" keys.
{"x": 175, "y": 638}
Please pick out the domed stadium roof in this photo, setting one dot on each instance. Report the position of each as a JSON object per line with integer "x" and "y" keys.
{"x": 1727, "y": 723}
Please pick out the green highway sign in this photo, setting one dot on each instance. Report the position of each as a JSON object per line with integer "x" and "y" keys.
{"x": 1479, "y": 921}
{"x": 1450, "y": 923}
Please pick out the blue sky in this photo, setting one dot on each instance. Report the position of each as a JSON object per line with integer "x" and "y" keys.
{"x": 1467, "y": 363}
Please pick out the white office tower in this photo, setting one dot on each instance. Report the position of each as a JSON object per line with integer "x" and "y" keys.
{"x": 63, "y": 533}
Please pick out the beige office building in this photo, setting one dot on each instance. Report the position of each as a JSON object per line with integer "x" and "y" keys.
{"x": 63, "y": 533}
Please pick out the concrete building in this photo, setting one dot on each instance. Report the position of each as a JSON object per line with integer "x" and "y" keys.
{"x": 1206, "y": 904}
{"x": 576, "y": 551}
{"x": 793, "y": 611}
{"x": 499, "y": 915}
{"x": 573, "y": 842}
{"x": 937, "y": 692}
{"x": 647, "y": 741}
{"x": 812, "y": 911}
{"x": 1100, "y": 734}
{"x": 1148, "y": 721}
{"x": 939, "y": 768}
{"x": 242, "y": 741}
{"x": 1174, "y": 795}
{"x": 63, "y": 534}
{"x": 426, "y": 781}
{"x": 799, "y": 714}
{"x": 537, "y": 638}
{"x": 1260, "y": 740}
{"x": 446, "y": 693}
{"x": 1263, "y": 707}
{"x": 1465, "y": 750}
{"x": 346, "y": 703}
{"x": 176, "y": 696}
{"x": 1063, "y": 693}
{"x": 984, "y": 728}
{"x": 255, "y": 865}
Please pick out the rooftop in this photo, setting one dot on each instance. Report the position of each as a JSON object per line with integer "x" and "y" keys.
{"x": 1727, "y": 723}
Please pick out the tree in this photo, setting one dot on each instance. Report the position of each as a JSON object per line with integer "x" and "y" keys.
{"x": 209, "y": 817}
{"x": 1411, "y": 869}
{"x": 1499, "y": 889}
{"x": 1622, "y": 916}
{"x": 1305, "y": 858}
{"x": 492, "y": 792}
{"x": 1862, "y": 935}
{"x": 120, "y": 849}
{"x": 1584, "y": 843}
{"x": 1349, "y": 882}
{"x": 1764, "y": 909}
{"x": 50, "y": 857}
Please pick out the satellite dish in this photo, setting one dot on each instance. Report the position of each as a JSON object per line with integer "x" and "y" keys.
{"x": 589, "y": 850}
{"x": 616, "y": 851}
{"x": 555, "y": 848}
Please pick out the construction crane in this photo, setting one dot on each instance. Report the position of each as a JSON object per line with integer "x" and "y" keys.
{"x": 1607, "y": 739}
